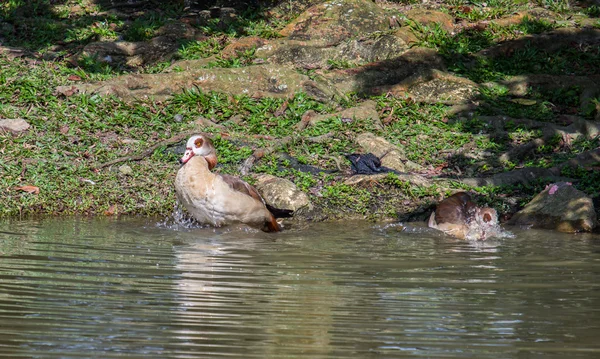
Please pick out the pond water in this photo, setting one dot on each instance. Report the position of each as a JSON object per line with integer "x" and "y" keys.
{"x": 80, "y": 288}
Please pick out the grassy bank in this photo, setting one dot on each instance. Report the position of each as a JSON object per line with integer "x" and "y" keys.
{"x": 71, "y": 137}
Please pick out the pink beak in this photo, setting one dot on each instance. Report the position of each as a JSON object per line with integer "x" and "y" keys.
{"x": 186, "y": 156}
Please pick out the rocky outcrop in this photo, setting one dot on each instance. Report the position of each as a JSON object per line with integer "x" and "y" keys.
{"x": 257, "y": 81}
{"x": 560, "y": 207}
{"x": 353, "y": 52}
{"x": 331, "y": 22}
{"x": 331, "y": 36}
{"x": 350, "y": 32}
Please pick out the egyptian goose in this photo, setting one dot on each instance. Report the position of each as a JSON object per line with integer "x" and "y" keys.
{"x": 219, "y": 199}
{"x": 458, "y": 216}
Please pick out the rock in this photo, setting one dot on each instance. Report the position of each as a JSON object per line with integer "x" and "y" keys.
{"x": 256, "y": 81}
{"x": 334, "y": 21}
{"x": 353, "y": 32}
{"x": 125, "y": 170}
{"x": 430, "y": 17}
{"x": 391, "y": 156}
{"x": 282, "y": 193}
{"x": 560, "y": 207}
{"x": 364, "y": 112}
{"x": 16, "y": 125}
{"x": 312, "y": 54}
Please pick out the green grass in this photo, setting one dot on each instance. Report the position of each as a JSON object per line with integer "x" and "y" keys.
{"x": 194, "y": 50}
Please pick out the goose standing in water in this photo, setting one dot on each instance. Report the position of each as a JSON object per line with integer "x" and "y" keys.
{"x": 458, "y": 216}
{"x": 220, "y": 199}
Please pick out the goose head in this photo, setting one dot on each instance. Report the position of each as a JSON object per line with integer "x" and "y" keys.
{"x": 200, "y": 145}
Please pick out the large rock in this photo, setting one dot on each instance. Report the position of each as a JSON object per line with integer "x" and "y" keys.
{"x": 559, "y": 207}
{"x": 312, "y": 54}
{"x": 282, "y": 193}
{"x": 391, "y": 156}
{"x": 334, "y": 21}
{"x": 16, "y": 125}
{"x": 257, "y": 81}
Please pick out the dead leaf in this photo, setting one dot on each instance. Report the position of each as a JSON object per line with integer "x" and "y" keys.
{"x": 111, "y": 210}
{"x": 64, "y": 129}
{"x": 67, "y": 91}
{"x": 28, "y": 189}
{"x": 281, "y": 110}
{"x": 74, "y": 78}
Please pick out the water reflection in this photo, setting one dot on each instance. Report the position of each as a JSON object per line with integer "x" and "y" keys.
{"x": 103, "y": 288}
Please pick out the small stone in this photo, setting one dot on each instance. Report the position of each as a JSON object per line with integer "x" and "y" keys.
{"x": 126, "y": 170}
{"x": 178, "y": 118}
{"x": 16, "y": 125}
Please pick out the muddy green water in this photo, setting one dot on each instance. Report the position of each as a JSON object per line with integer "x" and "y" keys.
{"x": 131, "y": 288}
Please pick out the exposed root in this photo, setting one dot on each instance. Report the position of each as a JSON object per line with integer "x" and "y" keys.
{"x": 577, "y": 127}
{"x": 277, "y": 144}
{"x": 175, "y": 139}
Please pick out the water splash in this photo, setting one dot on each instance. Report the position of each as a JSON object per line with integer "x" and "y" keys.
{"x": 179, "y": 219}
{"x": 480, "y": 230}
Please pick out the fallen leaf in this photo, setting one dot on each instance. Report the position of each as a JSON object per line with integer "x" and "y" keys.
{"x": 110, "y": 211}
{"x": 281, "y": 110}
{"x": 66, "y": 90}
{"x": 74, "y": 78}
{"x": 28, "y": 189}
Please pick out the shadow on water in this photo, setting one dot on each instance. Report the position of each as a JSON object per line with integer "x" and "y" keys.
{"x": 128, "y": 287}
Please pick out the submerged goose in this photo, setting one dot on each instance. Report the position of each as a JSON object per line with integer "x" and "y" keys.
{"x": 458, "y": 216}
{"x": 219, "y": 199}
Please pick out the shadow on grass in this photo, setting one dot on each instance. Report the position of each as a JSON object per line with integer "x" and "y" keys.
{"x": 66, "y": 26}
{"x": 537, "y": 99}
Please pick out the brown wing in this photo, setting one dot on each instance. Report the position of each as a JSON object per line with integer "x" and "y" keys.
{"x": 457, "y": 208}
{"x": 241, "y": 186}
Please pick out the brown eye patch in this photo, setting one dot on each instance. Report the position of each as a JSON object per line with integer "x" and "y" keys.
{"x": 198, "y": 142}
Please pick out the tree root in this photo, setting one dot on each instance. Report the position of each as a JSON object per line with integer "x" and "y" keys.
{"x": 577, "y": 127}
{"x": 175, "y": 139}
{"x": 277, "y": 144}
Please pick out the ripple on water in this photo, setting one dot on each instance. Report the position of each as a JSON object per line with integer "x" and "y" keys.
{"x": 80, "y": 288}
